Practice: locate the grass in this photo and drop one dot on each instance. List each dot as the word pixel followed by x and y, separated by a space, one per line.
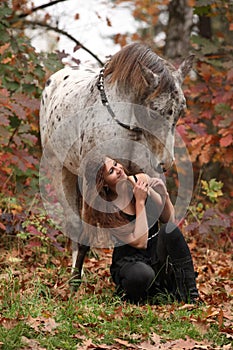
pixel 37 308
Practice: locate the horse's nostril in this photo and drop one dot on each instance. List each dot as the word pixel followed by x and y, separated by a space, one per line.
pixel 164 167
pixel 161 168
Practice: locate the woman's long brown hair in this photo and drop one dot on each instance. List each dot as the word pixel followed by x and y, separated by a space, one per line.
pixel 97 196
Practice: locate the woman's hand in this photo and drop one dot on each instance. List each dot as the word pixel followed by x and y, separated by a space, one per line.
pixel 140 191
pixel 158 186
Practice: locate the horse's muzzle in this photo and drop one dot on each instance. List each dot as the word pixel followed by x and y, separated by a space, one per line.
pixel 163 167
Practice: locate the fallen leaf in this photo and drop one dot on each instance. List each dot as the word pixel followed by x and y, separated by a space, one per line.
pixel 49 325
pixel 8 323
pixel 31 344
pixel 146 345
pixel 125 343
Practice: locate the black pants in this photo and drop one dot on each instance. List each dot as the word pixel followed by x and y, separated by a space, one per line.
pixel 140 274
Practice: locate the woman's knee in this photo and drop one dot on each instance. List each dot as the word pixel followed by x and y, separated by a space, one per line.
pixel 137 273
pixel 136 277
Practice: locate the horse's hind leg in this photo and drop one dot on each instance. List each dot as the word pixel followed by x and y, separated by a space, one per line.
pixel 79 252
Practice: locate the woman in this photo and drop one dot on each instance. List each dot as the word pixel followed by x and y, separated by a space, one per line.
pixel 151 256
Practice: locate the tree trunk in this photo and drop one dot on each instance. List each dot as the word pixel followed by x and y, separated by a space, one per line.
pixel 178 29
pixel 205 29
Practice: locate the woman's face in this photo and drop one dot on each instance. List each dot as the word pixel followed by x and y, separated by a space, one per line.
pixel 113 173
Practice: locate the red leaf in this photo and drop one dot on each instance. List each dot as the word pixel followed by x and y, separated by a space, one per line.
pixel 33 230
pixel 226 141
pixel 2 227
pixel 3 48
pixel 230 74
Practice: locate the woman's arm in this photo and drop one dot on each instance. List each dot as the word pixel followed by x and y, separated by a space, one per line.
pixel 156 189
pixel 136 232
pixel 168 212
pixel 141 226
pixel 166 209
pixel 158 192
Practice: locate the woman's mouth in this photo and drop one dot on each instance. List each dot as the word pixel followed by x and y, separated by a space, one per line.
pixel 121 174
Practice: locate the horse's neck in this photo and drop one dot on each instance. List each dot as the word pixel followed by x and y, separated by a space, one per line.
pixel 116 95
pixel 121 104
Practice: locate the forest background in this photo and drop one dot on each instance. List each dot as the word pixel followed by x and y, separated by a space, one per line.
pixel 28 235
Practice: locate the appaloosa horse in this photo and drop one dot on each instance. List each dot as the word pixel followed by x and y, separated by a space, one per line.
pixel 126 110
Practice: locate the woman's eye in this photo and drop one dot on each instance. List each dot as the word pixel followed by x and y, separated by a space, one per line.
pixel 115 164
pixel 110 171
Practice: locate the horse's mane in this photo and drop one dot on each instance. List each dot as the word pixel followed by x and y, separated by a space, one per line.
pixel 123 68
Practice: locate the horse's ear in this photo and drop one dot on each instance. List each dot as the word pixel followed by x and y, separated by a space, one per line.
pixel 151 79
pixel 185 68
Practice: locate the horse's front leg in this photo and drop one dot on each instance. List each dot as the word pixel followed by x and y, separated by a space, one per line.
pixel 79 252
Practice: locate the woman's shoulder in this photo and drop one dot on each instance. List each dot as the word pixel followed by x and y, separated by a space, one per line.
pixel 140 176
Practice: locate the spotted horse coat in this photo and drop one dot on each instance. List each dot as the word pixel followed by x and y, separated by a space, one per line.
pixel 128 110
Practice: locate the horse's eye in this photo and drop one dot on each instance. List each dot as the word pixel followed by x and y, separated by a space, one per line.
pixel 170 112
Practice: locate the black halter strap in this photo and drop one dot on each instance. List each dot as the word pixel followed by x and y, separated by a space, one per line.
pixel 100 86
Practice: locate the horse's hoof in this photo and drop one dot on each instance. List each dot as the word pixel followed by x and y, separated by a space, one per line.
pixel 75 282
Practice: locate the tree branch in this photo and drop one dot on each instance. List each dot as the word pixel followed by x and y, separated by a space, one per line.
pixel 40 7
pixel 60 31
pixel 55 29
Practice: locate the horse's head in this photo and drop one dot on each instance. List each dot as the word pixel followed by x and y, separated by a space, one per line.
pixel 165 103
pixel 155 87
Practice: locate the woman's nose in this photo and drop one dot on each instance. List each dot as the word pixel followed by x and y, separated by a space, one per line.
pixel 117 168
